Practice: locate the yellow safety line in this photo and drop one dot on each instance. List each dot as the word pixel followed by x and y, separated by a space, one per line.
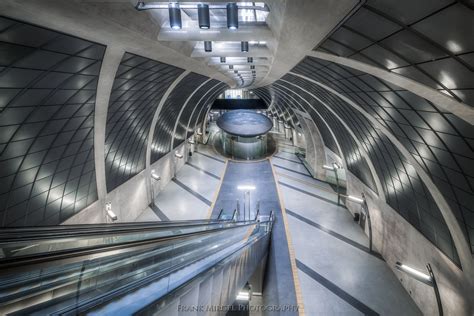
pixel 216 194
pixel 299 295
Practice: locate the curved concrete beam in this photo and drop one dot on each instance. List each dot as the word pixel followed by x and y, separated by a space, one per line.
pixel 344 162
pixel 365 155
pixel 110 64
pixel 314 144
pixel 182 110
pixel 462 110
pixel 341 153
pixel 194 109
pixel 462 246
pixel 208 108
pixel 151 132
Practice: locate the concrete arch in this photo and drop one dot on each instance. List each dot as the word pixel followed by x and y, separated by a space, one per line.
pixel 313 139
pixel 325 123
pixel 378 183
pixel 194 109
pixel 462 110
pixel 460 242
pixel 152 131
pixel 110 64
pixel 182 110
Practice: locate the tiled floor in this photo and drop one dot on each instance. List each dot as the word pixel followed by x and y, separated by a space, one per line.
pixel 190 194
pixel 338 276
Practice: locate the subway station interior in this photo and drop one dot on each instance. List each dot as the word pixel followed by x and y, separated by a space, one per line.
pixel 285 157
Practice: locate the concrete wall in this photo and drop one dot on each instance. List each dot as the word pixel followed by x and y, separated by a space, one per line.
pixel 397 240
pixel 131 198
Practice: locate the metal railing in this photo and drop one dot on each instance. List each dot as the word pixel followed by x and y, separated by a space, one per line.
pixel 71 269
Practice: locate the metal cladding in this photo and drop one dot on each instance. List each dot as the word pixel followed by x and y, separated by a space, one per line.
pixel 48 84
pixel 232 16
pixel 163 134
pixel 175 16
pixel 139 85
pixel 207 46
pixel 244 47
pixel 203 16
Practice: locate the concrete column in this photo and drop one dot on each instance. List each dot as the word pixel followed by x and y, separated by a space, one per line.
pixel 319 150
pixel 111 62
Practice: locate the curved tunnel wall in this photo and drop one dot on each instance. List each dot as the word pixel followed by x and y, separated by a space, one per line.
pixel 48 86
pixel 403 189
pixel 439 141
pixel 427 41
pixel 138 86
pixel 48 82
pixel 163 135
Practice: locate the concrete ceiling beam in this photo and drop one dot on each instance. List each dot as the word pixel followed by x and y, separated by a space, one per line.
pixel 194 33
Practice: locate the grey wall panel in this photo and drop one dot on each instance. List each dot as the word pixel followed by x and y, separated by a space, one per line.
pixel 441 142
pixel 405 37
pixel 138 87
pixel 48 82
pixel 162 136
pixel 402 186
pixel 181 132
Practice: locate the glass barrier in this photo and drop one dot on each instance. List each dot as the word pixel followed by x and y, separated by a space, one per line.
pixel 164 265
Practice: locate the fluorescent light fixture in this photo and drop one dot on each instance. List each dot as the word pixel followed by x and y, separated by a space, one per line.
pixel 336 166
pixel 246 187
pixel 178 155
pixel 207 46
pixel 232 16
pixel 243 296
pixel 355 199
pixel 416 274
pixel 191 142
pixel 110 213
pixel 244 47
pixel 199 133
pixel 299 134
pixel 175 15
pixel 203 16
pixel 155 176
pixel 328 167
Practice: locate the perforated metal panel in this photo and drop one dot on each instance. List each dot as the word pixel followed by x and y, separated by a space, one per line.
pixel 428 41
pixel 48 82
pixel 138 88
pixel 162 136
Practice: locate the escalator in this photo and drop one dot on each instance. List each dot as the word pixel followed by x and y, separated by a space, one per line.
pixel 129 268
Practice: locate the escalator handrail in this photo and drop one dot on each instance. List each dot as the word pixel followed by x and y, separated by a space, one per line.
pixel 51 232
pixel 30 262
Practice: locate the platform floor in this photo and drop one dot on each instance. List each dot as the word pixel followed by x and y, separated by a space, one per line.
pixel 337 274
